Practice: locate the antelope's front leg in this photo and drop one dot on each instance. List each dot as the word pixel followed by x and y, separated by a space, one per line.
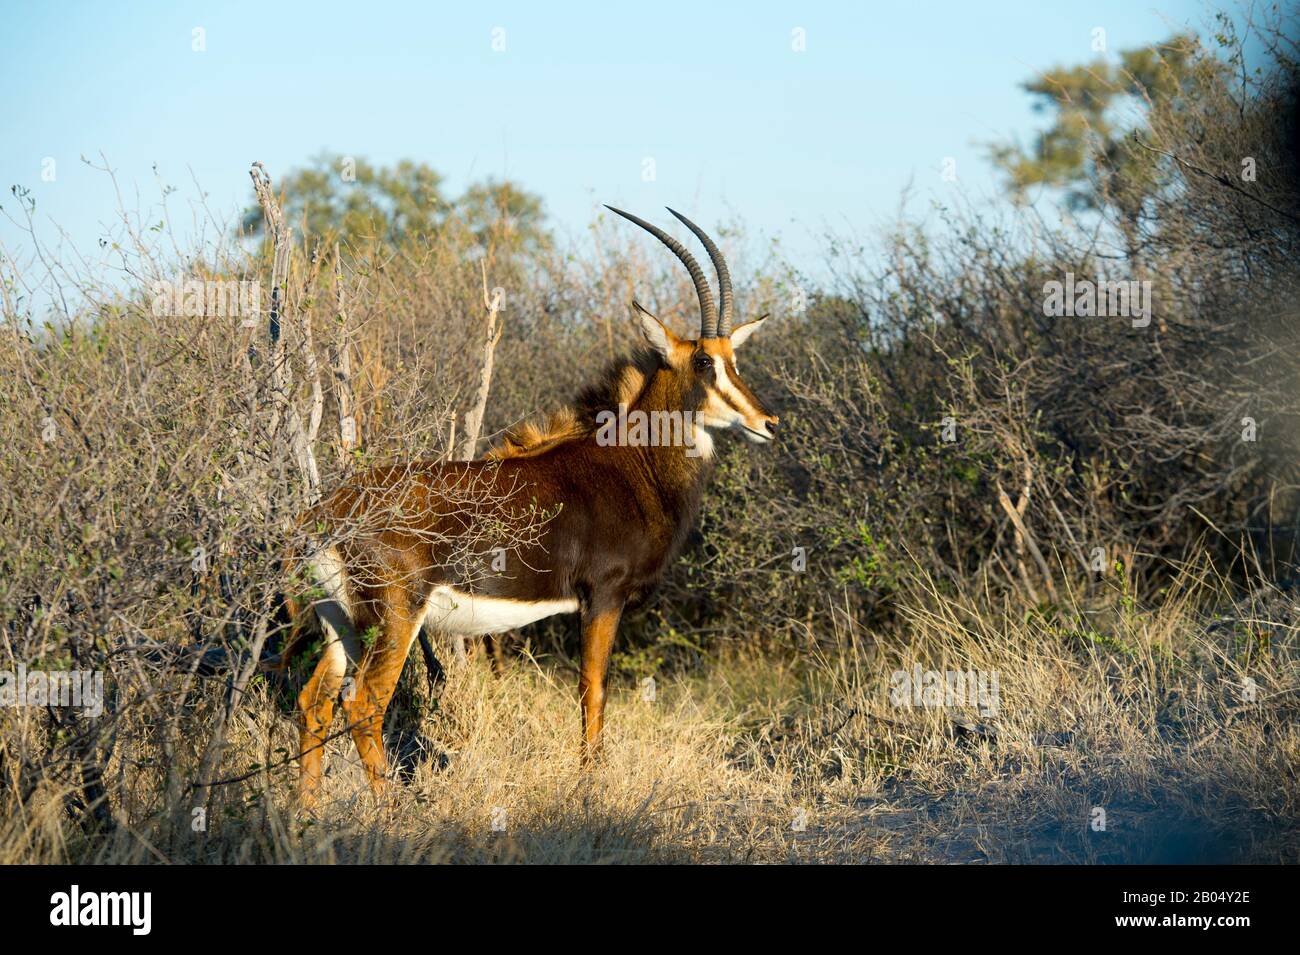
pixel 599 625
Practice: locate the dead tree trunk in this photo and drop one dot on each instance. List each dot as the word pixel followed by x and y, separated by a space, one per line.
pixel 288 440
pixel 474 417
pixel 341 366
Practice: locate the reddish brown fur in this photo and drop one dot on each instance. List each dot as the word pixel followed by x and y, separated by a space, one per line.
pixel 617 517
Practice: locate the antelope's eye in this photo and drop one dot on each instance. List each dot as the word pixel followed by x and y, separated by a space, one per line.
pixel 703 362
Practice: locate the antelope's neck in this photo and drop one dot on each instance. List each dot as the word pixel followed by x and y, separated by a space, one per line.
pixel 682 466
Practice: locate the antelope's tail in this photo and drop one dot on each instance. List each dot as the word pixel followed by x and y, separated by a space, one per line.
pixel 293 619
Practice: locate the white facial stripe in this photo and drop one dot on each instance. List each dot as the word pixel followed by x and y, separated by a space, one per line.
pixel 726 388
pixel 703 443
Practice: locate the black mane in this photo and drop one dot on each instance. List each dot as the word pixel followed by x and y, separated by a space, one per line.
pixel 611 388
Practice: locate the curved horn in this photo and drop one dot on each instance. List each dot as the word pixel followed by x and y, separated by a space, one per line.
pixel 724 276
pixel 708 311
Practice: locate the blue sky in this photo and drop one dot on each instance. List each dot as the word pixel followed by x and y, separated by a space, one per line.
pixel 738 123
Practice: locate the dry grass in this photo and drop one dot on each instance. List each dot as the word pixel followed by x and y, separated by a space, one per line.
pixel 1143 716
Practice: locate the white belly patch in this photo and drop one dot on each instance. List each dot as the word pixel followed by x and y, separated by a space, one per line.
pixel 452 611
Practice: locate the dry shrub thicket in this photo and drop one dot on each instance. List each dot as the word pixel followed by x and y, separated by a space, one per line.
pixel 1074 504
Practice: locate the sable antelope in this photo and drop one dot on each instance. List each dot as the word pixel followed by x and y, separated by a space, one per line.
pixel 388 545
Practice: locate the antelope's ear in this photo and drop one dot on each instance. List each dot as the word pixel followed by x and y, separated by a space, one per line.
pixel 656 333
pixel 742 332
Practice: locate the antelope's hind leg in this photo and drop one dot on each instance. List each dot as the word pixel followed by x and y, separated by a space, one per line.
pixel 375 685
pixel 316 701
